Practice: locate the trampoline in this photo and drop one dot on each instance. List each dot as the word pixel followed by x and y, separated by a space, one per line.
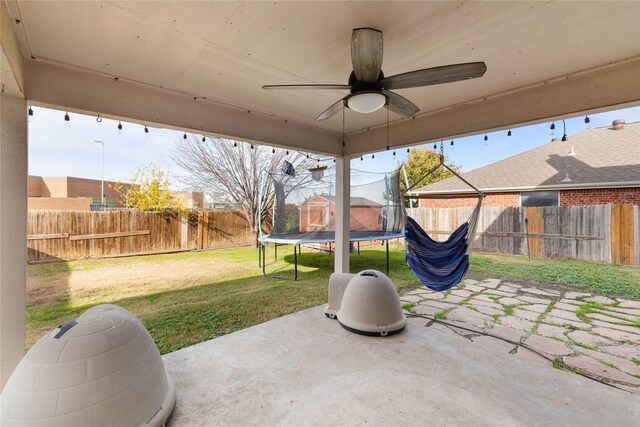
pixel 303 210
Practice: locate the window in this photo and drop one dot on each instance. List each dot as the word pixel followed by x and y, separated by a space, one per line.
pixel 539 198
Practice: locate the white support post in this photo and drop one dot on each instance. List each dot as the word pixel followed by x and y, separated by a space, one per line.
pixel 343 199
pixel 13 233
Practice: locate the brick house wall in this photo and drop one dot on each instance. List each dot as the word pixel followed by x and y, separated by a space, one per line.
pixel 491 199
pixel 59 203
pixel 600 196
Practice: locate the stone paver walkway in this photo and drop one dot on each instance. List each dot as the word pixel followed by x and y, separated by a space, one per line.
pixel 590 333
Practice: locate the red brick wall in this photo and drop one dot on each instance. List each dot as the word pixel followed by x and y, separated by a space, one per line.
pixel 600 196
pixel 491 199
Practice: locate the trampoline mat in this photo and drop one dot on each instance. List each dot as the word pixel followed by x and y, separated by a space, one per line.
pixel 327 236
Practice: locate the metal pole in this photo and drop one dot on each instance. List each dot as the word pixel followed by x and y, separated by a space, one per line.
pixel 102 179
pixel 387 241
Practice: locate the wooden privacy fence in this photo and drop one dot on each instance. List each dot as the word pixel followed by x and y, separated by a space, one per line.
pixel 68 235
pixel 602 233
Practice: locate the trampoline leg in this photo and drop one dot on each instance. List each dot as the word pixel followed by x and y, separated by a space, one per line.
pixel 358 247
pixel 260 254
pixel 295 262
pixel 264 249
pixel 329 248
pixel 275 257
pixel 387 257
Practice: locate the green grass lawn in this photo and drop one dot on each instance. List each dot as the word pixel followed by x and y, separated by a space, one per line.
pixel 190 297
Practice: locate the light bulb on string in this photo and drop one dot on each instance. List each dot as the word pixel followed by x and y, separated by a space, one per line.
pixel 235 144
pixel 552 128
pixel 67 120
pixel 408 150
pixel 273 151
pixel 146 132
pixel 394 153
pixel 373 156
pixel 119 128
pixel 435 146
pixel 30 112
pixel 486 140
pixel 587 122
pixel 184 136
pixel 204 138
pixel 361 158
pixel 252 146
pixel 287 152
pixel 509 133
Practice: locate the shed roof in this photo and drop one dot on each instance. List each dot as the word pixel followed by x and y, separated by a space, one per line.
pixel 603 158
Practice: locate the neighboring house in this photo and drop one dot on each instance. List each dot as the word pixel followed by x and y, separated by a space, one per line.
pixel 318 213
pixel 71 193
pixel 597 166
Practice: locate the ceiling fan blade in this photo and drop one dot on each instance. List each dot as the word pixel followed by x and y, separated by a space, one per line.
pixel 366 53
pixel 308 86
pixel 435 75
pixel 399 104
pixel 331 110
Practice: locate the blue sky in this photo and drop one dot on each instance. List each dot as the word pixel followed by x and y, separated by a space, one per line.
pixel 57 150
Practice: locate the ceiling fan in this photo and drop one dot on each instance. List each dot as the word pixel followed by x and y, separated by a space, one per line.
pixel 370 90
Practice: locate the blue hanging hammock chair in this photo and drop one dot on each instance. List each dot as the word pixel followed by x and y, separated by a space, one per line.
pixel 441 265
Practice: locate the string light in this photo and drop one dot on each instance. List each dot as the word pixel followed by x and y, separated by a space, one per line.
pixel 184 136
pixel 373 156
pixel 361 159
pixel 235 144
pixel 486 137
pixel 552 128
pixel 587 122
pixel 452 142
pixel 307 156
pixel 408 149
pixel 119 128
pixel 509 133
pixel 252 146
pixel 146 132
pixel 67 120
pixel 287 152
pixel 564 132
pixel 435 146
pixel 204 138
pixel 273 151
pixel 394 153
pixel 30 114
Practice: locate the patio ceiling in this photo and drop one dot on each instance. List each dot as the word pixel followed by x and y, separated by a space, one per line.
pixel 200 66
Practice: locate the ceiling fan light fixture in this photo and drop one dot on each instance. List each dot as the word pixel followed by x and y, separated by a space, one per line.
pixel 366 102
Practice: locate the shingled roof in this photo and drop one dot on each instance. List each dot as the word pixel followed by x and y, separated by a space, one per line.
pixel 603 158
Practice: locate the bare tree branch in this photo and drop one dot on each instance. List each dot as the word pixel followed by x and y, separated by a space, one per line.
pixel 234 174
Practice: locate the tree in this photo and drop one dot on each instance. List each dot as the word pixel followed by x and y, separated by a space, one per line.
pixel 149 190
pixel 421 161
pixel 233 172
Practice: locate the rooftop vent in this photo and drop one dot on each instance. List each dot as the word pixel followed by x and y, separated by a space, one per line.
pixel 618 124
pixel 566 178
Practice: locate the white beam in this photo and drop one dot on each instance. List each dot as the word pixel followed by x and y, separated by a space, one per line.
pixel 343 214
pixel 12 63
pixel 599 89
pixel 13 232
pixel 81 91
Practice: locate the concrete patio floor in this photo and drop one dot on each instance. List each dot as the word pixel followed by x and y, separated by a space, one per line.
pixel 304 369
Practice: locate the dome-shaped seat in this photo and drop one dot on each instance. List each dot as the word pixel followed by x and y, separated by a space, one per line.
pixel 101 369
pixel 368 304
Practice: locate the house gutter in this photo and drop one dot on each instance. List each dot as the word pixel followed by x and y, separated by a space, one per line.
pixel 626 184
